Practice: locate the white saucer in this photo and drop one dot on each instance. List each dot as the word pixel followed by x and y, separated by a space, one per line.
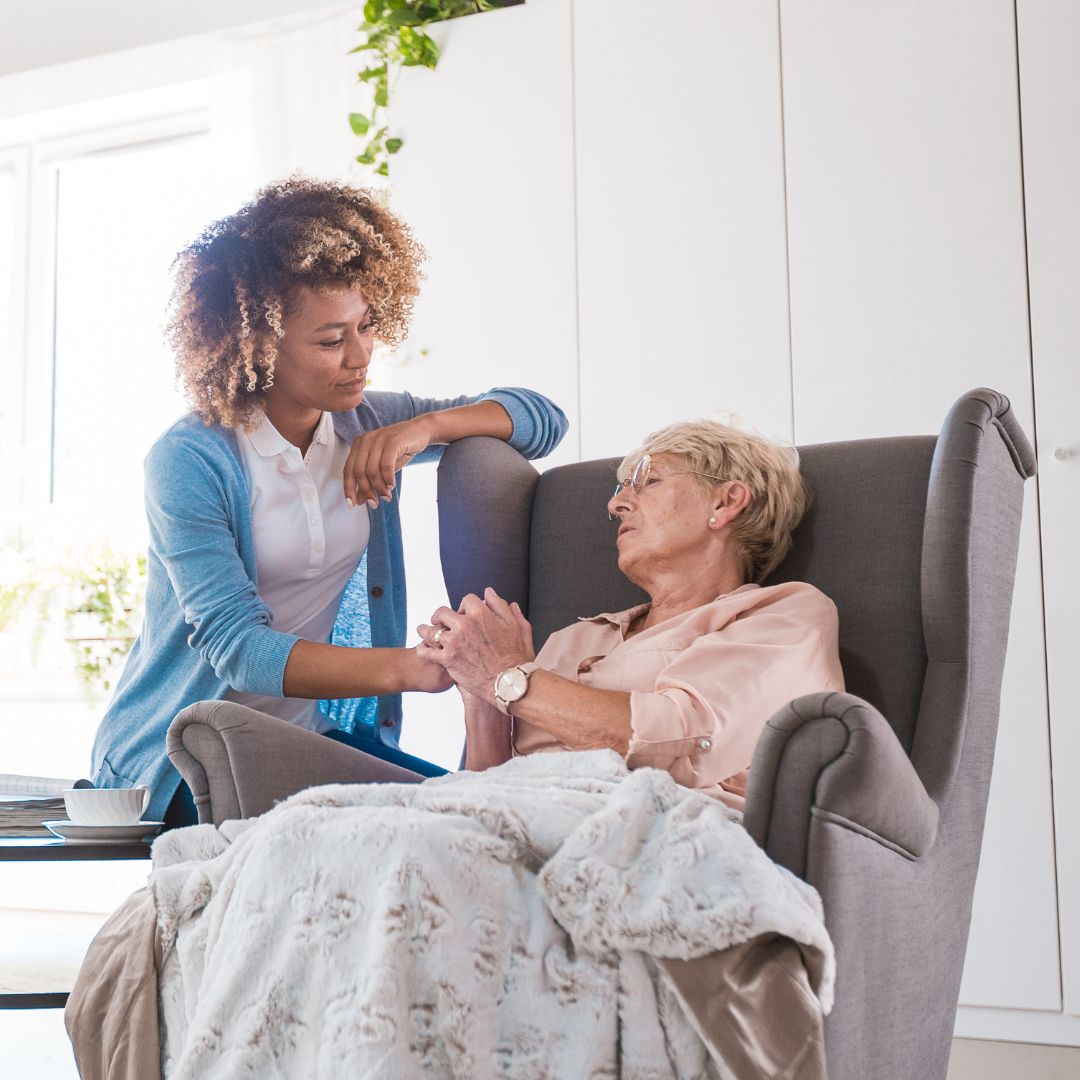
pixel 102 834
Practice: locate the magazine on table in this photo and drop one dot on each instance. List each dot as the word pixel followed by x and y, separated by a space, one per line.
pixel 27 801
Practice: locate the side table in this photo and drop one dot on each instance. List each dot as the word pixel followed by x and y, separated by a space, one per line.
pixel 18 988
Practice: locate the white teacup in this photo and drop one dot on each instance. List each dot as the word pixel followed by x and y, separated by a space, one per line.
pixel 106 806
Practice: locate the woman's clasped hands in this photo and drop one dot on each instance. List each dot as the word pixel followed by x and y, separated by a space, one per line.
pixel 478 641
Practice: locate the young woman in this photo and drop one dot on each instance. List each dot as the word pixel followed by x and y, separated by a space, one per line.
pixel 275 573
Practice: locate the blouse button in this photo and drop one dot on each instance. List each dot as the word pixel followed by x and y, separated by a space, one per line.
pixel 376 591
pixel 704 744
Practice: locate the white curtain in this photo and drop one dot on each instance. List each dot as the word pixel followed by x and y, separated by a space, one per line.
pixel 282 97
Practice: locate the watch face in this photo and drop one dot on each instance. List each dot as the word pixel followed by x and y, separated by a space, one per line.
pixel 512 684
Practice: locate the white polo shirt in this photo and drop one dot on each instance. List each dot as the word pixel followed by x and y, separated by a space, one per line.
pixel 308 542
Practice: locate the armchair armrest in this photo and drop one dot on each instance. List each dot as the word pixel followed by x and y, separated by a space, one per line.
pixel 238 762
pixel 834 757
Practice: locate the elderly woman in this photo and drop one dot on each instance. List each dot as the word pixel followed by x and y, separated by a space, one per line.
pixel 273 506
pixel 686 682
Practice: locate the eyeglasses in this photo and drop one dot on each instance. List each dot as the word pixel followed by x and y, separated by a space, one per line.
pixel 640 477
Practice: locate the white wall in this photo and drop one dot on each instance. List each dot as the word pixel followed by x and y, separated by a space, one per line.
pixel 42 34
pixel 682 272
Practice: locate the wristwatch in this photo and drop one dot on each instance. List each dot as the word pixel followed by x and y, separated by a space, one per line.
pixel 511 685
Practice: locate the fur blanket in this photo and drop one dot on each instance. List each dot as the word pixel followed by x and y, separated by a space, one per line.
pixel 498 924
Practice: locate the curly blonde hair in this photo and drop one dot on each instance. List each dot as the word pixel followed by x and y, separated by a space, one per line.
pixel 768 467
pixel 233 287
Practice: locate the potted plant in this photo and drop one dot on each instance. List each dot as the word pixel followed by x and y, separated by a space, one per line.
pixel 102 612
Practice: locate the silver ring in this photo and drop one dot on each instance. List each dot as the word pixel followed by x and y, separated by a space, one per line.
pixel 438 635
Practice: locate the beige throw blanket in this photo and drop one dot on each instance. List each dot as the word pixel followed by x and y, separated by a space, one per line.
pixel 554 917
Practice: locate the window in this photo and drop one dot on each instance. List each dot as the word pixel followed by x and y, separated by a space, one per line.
pixel 121 215
pixel 89 224
pixel 12 169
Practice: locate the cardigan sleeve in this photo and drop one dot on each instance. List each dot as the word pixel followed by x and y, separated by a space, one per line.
pixel 193 533
pixel 539 424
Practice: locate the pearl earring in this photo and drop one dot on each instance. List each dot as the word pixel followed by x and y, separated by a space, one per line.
pixel 712 521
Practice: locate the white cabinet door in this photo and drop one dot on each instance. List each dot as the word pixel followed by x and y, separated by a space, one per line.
pixel 486 180
pixel 908 288
pixel 1049 44
pixel 680 217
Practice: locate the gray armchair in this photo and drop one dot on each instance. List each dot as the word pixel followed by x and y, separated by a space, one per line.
pixel 877 796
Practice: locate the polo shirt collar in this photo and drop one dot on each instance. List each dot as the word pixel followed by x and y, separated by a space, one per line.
pixel 269 442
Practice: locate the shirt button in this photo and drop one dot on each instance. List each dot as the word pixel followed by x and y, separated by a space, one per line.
pixel 376 591
pixel 704 744
pixel 388 722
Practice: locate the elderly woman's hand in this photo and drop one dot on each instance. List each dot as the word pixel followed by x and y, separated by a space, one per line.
pixel 377 455
pixel 475 643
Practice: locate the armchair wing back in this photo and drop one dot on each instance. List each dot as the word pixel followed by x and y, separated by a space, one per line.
pixel 876 796
pixel 893 843
pixel 860 543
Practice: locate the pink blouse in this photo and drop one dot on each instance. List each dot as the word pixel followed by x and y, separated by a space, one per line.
pixel 702 684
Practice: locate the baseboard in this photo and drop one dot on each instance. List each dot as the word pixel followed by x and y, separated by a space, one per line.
pixel 1017 1025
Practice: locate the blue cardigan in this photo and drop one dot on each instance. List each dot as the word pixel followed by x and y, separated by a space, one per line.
pixel 206 630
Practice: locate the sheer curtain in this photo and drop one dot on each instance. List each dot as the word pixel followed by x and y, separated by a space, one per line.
pixel 283 92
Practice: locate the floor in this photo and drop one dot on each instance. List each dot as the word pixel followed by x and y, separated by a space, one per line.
pixel 40 952
pixel 976 1060
pixel 35 1047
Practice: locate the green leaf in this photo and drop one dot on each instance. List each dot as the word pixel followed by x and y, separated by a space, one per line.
pixel 359 123
pixel 382 97
pixel 365 158
pixel 383 169
pixel 417 48
pixel 394 145
pixel 403 18
pixel 371 73
pixel 375 40
pixel 431 52
pixel 375 10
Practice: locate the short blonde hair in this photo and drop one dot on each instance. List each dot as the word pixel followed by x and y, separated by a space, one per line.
pixel 768 467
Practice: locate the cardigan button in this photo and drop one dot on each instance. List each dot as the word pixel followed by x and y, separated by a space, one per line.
pixel 376 591
pixel 388 722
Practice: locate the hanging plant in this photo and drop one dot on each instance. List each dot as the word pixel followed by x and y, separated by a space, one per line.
pixel 394 37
